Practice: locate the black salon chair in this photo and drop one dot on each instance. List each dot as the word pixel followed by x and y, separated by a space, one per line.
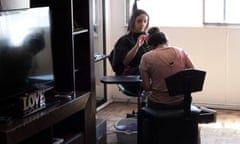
pixel 123 82
pixel 123 86
pixel 130 93
pixel 173 126
pixel 127 92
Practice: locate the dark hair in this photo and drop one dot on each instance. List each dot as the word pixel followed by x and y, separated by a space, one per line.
pixel 135 14
pixel 157 38
pixel 153 30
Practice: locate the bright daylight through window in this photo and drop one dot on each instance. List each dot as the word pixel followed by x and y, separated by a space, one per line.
pixel 191 12
pixel 222 12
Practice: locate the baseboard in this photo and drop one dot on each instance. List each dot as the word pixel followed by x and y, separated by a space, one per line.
pixel 104 105
pixel 219 106
pixel 208 105
pixel 126 100
pixel 216 106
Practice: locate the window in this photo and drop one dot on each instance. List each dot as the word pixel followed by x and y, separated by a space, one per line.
pixel 221 12
pixel 189 12
pixel 173 12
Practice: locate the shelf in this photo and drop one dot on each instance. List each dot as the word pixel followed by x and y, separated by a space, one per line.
pixel 79 31
pixel 72 138
pixel 73 119
pixel 100 57
pixel 76 70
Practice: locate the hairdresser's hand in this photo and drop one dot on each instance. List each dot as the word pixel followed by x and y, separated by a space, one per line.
pixel 131 54
pixel 141 40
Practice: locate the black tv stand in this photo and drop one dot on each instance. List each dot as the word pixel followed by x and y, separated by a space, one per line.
pixel 48 104
pixel 5 119
pixel 65 120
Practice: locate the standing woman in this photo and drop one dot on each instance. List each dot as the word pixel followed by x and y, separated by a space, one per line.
pixel 129 48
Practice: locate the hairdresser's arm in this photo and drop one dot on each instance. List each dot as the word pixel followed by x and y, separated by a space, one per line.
pixel 131 54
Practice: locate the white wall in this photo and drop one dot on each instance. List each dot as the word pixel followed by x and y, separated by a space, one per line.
pixel 114 29
pixel 213 49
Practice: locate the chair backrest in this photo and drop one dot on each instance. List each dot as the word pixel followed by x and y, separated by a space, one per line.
pixel 184 83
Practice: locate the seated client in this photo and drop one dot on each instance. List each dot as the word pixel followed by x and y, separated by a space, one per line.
pixel 159 63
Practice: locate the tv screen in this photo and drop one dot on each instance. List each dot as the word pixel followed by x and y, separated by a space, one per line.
pixel 25 52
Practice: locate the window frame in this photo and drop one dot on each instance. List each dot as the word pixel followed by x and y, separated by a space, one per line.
pixel 223 22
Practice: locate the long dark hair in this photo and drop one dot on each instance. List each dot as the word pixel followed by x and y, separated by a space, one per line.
pixel 137 13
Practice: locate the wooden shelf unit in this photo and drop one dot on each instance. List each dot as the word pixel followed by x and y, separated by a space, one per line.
pixel 73 59
pixel 64 120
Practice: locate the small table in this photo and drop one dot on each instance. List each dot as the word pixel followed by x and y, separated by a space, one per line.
pixel 121 79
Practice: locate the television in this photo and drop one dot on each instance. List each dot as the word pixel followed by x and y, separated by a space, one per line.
pixel 26 64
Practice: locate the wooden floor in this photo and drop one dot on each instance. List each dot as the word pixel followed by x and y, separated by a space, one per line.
pixel 226 130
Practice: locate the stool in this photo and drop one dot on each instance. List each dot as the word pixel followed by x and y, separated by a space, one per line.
pixel 168 126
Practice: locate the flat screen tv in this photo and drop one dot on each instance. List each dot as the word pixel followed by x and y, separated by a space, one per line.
pixel 25 53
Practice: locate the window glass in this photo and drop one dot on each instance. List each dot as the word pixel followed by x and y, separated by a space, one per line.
pixel 191 12
pixel 214 11
pixel 232 11
pixel 173 12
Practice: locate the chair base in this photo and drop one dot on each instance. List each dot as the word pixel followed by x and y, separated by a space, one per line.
pixel 207 115
pixel 132 115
